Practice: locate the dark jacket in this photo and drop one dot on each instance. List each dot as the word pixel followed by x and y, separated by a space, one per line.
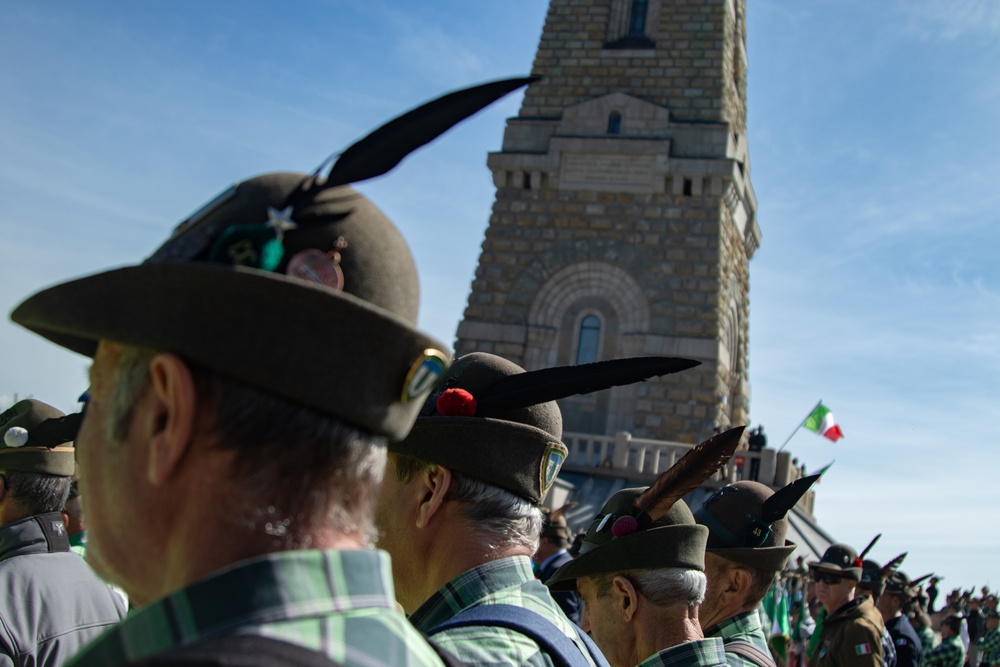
pixel 852 636
pixel 53 603
pixel 906 641
pixel 568 601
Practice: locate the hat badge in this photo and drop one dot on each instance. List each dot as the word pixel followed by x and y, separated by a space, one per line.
pixel 424 374
pixel 16 436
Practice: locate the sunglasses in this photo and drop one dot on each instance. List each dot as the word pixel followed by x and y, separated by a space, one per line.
pixel 826 577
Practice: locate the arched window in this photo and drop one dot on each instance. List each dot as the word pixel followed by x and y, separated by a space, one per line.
pixel 589 340
pixel 637 19
pixel 615 123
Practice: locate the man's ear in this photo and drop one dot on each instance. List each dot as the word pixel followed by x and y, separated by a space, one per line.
pixel 171 417
pixel 434 484
pixel 626 597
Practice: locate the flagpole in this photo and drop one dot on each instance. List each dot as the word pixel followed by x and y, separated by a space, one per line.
pixel 801 424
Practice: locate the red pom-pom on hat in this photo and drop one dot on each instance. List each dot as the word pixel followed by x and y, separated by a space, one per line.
pixel 858 562
pixel 624 525
pixel 456 402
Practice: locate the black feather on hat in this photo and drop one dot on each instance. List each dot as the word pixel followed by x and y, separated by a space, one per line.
pixel 492 420
pixel 291 283
pixel 36 437
pixel 747 524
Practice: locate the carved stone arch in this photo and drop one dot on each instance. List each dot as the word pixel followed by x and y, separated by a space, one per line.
pixel 554 316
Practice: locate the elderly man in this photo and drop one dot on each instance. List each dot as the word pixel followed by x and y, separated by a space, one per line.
pixel 460 511
pixel 53 603
pixel 245 380
pixel 896 594
pixel 852 628
pixel 746 549
pixel 641 569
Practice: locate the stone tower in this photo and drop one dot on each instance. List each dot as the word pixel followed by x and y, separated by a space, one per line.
pixel 624 217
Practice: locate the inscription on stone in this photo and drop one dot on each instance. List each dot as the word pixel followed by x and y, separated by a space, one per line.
pixel 606 172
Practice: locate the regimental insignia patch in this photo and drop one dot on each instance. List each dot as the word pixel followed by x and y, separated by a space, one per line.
pixel 551 463
pixel 863 649
pixel 424 374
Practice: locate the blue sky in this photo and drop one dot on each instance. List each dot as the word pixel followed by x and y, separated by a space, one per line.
pixel 874 157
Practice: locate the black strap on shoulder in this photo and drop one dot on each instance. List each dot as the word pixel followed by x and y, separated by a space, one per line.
pixel 747 650
pixel 552 641
pixel 239 651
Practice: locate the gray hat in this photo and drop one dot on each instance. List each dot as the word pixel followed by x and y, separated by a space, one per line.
pixel 490 419
pixel 841 559
pixel 747 524
pixel 291 283
pixel 36 437
pixel 651 527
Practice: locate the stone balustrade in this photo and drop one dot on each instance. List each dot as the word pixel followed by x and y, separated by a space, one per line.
pixel 640 460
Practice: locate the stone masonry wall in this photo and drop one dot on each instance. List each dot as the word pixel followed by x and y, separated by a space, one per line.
pixel 685 72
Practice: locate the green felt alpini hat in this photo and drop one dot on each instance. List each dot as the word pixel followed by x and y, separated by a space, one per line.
pixel 651 527
pixel 291 283
pixel 490 419
pixel 36 437
pixel 747 522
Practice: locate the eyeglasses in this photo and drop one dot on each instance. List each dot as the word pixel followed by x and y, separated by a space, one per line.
pixel 826 577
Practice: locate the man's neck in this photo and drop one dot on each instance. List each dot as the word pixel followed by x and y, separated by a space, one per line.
pixel 453 551
pixel 663 627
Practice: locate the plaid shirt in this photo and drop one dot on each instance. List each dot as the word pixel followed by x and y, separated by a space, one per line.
pixel 989 648
pixel 504 581
pixel 949 653
pixel 341 603
pixel 709 652
pixel 744 627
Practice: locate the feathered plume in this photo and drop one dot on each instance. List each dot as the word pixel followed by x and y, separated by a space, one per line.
pixel 892 565
pixel 555 514
pixel 869 547
pixel 56 431
pixel 784 499
pixel 920 580
pixel 688 473
pixel 386 147
pixel 549 384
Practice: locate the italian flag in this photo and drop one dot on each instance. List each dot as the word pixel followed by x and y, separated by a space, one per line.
pixel 821 421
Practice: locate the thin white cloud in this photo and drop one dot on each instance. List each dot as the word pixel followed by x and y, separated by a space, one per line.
pixel 951 19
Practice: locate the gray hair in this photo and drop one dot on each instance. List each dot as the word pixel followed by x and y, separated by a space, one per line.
pixel 297 468
pixel 37 493
pixel 498 519
pixel 661 586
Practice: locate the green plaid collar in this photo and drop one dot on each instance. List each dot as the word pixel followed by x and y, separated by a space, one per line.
pixel 745 625
pixel 949 653
pixel 708 652
pixel 280 587
pixel 470 588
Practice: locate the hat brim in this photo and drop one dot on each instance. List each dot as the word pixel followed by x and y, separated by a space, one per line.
pixel 506 454
pixel 58 461
pixel 763 558
pixel 853 572
pixel 680 546
pixel 323 349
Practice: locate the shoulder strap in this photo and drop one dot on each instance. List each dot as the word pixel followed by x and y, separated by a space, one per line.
pixel 559 647
pixel 238 651
pixel 747 650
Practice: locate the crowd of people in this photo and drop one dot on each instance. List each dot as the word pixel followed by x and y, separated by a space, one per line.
pixel 963 631
pixel 276 467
